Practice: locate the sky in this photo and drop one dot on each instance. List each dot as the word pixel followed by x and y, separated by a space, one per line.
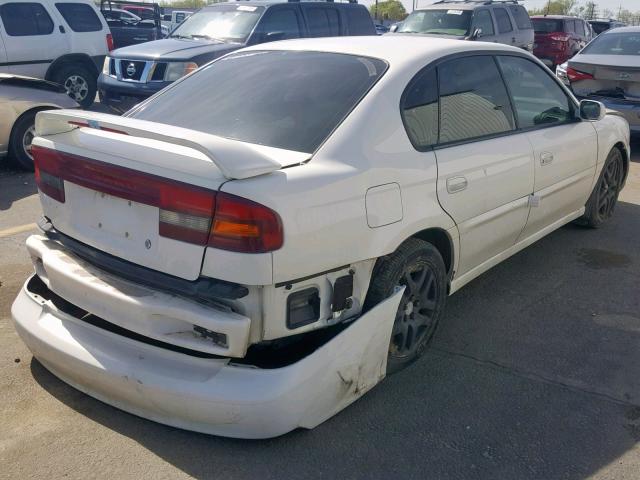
pixel 613 5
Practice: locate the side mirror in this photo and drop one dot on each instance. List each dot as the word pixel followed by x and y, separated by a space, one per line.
pixel 477 33
pixel 273 36
pixel 592 110
pixel 394 28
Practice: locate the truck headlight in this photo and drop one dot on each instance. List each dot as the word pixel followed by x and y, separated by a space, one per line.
pixel 176 70
pixel 105 65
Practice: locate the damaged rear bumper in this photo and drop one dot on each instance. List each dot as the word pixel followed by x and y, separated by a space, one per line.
pixel 209 395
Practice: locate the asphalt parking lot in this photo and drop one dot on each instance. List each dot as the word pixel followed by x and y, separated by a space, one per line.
pixel 534 374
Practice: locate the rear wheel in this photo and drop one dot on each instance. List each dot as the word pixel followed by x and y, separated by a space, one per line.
pixel 418 266
pixel 20 142
pixel 603 199
pixel 79 82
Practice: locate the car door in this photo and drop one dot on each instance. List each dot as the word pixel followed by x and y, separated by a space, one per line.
pixel 506 32
pixel 485 167
pixel 524 28
pixel 565 148
pixel 4 66
pixel 279 22
pixel 482 20
pixel 322 20
pixel 33 38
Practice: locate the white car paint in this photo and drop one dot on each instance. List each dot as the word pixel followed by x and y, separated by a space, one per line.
pixel 357 198
pixel 33 55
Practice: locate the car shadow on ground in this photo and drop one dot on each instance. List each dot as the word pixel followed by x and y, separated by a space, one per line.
pixel 534 373
pixel 14 184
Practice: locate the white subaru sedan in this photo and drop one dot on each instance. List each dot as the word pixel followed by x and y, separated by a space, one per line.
pixel 255 247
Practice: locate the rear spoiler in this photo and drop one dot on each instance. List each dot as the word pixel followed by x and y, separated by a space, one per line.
pixel 235 159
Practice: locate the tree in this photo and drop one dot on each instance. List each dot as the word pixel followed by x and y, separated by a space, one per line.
pixel 555 7
pixel 388 10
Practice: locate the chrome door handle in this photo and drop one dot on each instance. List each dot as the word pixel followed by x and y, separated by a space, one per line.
pixel 456 184
pixel 546 158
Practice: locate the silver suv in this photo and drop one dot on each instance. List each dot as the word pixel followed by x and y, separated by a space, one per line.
pixel 501 21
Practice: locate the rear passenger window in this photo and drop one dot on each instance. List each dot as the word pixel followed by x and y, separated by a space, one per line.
pixel 282 21
pixel 323 22
pixel 473 99
pixel 80 17
pixel 359 21
pixel 537 98
pixel 503 20
pixel 569 26
pixel 23 19
pixel 482 20
pixel 420 110
pixel 520 15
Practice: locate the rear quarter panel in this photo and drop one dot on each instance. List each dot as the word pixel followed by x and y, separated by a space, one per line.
pixel 322 203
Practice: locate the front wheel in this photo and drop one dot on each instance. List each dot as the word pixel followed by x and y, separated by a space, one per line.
pixel 603 199
pixel 418 266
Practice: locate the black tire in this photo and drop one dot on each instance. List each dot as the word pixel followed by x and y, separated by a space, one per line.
pixel 81 83
pixel 603 199
pixel 20 140
pixel 418 266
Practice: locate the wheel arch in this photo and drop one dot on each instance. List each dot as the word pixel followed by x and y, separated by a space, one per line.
pixel 443 242
pixel 71 59
pixel 625 159
pixel 37 109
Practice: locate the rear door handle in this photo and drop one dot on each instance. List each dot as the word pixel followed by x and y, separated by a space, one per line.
pixel 456 184
pixel 546 158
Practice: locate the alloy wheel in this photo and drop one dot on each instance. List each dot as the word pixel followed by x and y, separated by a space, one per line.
pixel 77 87
pixel 610 187
pixel 415 317
pixel 27 139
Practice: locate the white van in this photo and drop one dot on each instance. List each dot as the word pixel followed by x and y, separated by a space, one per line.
pixel 62 41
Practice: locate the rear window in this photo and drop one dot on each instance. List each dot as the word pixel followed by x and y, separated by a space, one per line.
pixel 614 44
pixel 80 17
pixel 520 15
pixel 599 27
pixel 547 25
pixel 284 99
pixel 24 19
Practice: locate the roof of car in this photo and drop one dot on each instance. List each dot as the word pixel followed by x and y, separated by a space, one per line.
pixel 631 29
pixel 395 49
pixel 555 17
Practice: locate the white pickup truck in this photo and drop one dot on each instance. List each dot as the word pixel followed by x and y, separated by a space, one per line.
pixel 251 258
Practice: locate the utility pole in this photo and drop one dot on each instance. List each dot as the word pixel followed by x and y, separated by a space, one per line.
pixel 376 14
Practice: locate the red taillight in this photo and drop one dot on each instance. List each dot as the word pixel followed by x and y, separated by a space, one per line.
pixel 47 173
pixel 109 42
pixel 576 75
pixel 241 225
pixel 559 37
pixel 187 212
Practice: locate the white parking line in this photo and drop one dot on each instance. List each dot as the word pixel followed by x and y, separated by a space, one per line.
pixel 16 230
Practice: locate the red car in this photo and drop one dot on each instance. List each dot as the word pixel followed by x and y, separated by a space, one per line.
pixel 558 38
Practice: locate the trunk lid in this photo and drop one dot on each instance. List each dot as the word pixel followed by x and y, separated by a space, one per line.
pixel 614 76
pixel 140 191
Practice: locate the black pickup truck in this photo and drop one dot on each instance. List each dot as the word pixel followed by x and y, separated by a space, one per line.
pixel 127 27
